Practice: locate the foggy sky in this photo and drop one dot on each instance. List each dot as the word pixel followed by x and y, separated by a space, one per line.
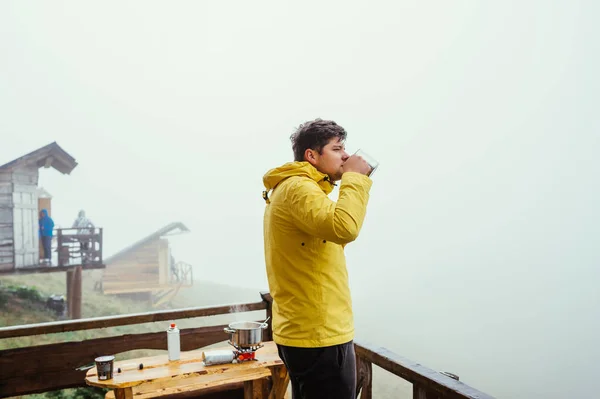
pixel 483 215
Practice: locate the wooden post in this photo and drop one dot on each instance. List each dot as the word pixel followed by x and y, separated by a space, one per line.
pixel 268 332
pixel 420 392
pixel 364 378
pixel 70 294
pixel 281 380
pixel 99 249
pixel 59 250
pixel 124 393
pixel 77 293
pixel 255 389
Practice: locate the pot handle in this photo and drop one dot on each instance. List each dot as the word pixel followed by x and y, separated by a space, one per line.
pixel 229 330
pixel 264 323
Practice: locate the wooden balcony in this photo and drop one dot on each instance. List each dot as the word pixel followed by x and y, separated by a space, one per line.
pixel 79 247
pixel 72 248
pixel 51 367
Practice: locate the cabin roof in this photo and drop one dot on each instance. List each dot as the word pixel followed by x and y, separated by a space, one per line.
pixel 51 155
pixel 170 229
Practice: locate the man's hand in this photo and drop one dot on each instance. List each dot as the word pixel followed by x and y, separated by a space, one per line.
pixel 357 164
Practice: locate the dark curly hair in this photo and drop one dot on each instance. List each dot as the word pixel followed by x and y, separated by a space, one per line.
pixel 315 135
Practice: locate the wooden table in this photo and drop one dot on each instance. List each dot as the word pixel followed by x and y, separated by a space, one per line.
pixel 160 377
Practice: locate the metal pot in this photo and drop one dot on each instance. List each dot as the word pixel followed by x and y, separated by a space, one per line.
pixel 245 334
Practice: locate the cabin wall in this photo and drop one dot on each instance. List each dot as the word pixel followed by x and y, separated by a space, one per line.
pixel 25 216
pixel 6 221
pixel 137 271
pixel 164 261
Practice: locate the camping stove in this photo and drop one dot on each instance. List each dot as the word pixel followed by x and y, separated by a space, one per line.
pixel 238 355
pixel 246 339
pixel 245 354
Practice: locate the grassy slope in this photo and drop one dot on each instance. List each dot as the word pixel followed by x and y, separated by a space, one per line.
pixel 94 304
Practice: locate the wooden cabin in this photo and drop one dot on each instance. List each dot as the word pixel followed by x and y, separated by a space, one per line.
pixel 21 201
pixel 147 269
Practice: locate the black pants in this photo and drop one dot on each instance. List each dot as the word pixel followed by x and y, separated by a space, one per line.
pixel 328 372
pixel 47 244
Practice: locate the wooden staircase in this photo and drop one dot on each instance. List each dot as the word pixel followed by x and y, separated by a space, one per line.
pixel 165 297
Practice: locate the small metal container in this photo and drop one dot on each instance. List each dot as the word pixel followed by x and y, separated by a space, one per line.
pixel 246 334
pixel 104 366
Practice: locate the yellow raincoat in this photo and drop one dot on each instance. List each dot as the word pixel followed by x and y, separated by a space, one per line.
pixel 304 234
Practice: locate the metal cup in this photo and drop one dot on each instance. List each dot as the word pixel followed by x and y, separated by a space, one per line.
pixel 105 366
pixel 373 163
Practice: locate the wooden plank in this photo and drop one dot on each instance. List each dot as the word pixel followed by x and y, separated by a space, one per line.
pixel 148 249
pixel 151 288
pixel 6 218
pixel 123 320
pixel 6 231
pixel 7 267
pixel 145 277
pixel 6 201
pixel 132 271
pixel 6 258
pixel 26 175
pixel 25 225
pixel 163 260
pixel 144 284
pixel 6 188
pixel 50 367
pixel 25 188
pixel 426 378
pixel 198 382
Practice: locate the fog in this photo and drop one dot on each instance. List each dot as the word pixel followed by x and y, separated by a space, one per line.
pixel 479 252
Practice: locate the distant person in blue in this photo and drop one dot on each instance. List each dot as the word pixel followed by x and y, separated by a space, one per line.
pixel 46 228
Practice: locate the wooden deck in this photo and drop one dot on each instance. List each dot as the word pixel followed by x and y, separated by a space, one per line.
pixel 44 368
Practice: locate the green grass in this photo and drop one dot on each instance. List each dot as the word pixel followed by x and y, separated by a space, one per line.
pixel 27 307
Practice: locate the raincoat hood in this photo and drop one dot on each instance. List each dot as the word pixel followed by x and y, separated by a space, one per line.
pixel 46 224
pixel 275 176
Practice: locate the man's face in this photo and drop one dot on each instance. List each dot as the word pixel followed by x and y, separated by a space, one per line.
pixel 331 159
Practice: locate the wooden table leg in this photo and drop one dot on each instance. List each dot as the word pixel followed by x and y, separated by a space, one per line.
pixel 281 379
pixel 255 389
pixel 124 393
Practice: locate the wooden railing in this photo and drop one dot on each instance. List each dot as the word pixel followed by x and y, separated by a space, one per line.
pixel 182 273
pixel 51 367
pixel 79 246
